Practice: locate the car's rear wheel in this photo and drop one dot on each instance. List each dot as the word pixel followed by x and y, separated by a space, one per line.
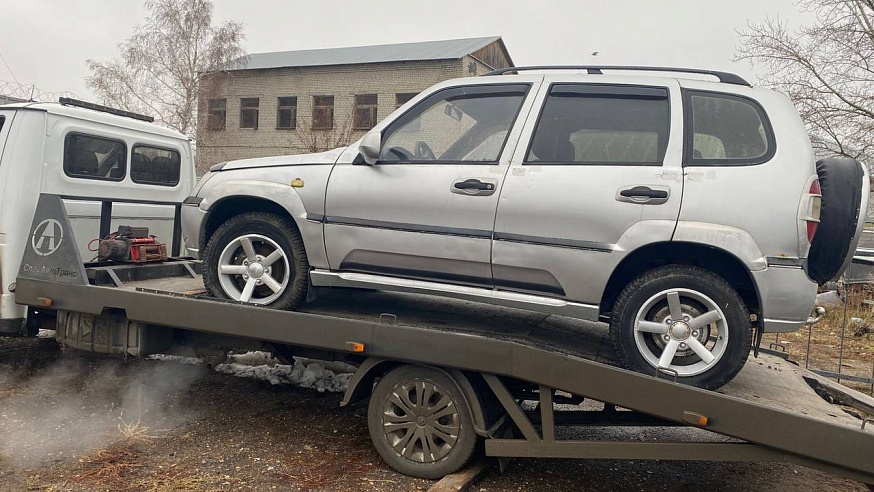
pixel 684 321
pixel 258 258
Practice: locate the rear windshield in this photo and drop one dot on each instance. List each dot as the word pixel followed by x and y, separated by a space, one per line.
pixel 726 130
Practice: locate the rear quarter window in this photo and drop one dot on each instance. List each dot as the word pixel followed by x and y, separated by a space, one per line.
pixel 155 165
pixel 725 130
pixel 92 157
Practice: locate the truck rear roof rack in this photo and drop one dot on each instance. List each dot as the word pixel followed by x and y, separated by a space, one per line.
pixel 66 101
pixel 725 77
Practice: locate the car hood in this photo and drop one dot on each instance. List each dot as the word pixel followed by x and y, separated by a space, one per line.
pixel 329 157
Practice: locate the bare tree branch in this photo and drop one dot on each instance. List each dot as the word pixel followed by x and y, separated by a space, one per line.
pixel 159 67
pixel 825 69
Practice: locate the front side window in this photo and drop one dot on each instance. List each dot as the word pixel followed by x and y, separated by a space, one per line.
pixel 217 114
pixel 364 116
pixel 286 113
pixel 155 166
pixel 600 124
pixel 726 130
pixel 463 124
pixel 90 157
pixel 2 120
pixel 249 112
pixel 323 112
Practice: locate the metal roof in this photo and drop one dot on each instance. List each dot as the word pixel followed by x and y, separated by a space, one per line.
pixel 449 49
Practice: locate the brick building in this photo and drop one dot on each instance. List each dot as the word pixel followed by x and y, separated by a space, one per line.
pixel 310 100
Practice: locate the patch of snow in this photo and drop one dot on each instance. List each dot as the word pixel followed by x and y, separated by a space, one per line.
pixel 313 375
pixel 193 361
pixel 828 299
pixel 46 333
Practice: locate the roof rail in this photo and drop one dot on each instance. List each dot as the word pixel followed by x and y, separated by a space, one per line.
pixel 725 77
pixel 66 101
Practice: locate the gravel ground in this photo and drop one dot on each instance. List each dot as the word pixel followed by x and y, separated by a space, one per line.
pixel 74 422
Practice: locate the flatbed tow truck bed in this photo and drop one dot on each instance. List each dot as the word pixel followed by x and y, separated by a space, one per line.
pixel 499 358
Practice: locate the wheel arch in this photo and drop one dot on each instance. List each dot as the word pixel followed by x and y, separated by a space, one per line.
pixel 234 205
pixel 718 261
pixel 470 384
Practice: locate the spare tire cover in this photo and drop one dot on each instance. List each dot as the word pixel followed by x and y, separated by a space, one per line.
pixel 841 183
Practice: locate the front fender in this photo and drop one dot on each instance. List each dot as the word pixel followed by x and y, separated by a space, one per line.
pixel 282 195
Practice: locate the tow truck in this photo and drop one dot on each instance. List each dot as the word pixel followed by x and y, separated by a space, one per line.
pixel 439 385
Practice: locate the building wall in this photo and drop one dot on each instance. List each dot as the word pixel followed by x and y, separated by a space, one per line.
pixel 343 82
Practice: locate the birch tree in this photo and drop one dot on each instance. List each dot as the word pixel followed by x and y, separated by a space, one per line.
pixel 159 68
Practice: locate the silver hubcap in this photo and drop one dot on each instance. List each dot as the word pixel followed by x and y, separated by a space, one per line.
pixel 682 330
pixel 420 421
pixel 253 268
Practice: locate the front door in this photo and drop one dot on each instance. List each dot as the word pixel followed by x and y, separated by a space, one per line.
pixel 426 209
pixel 600 177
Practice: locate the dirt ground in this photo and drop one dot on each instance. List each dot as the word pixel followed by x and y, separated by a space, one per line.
pixel 74 422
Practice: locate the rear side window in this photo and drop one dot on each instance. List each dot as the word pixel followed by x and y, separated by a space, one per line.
pixel 155 166
pixel 601 124
pixel 726 130
pixel 90 157
pixel 2 120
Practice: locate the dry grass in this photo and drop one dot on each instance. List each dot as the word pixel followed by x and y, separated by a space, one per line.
pixel 109 467
pixel 134 431
pixel 317 469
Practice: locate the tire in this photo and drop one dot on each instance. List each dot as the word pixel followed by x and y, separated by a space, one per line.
pixel 831 251
pixel 642 318
pixel 279 281
pixel 403 433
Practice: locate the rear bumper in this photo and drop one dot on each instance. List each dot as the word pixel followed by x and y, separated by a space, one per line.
pixel 786 296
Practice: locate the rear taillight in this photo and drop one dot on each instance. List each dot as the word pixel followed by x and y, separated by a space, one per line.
pixel 813 209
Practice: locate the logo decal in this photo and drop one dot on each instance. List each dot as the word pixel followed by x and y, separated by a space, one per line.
pixel 47 237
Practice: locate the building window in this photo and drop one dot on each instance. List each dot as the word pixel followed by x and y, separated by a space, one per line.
pixel 249 112
pixel 403 98
pixel 91 157
pixel 323 112
pixel 217 114
pixel 365 112
pixel 155 166
pixel 286 113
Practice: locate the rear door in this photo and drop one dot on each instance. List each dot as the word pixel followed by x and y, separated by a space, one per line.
pixel 597 174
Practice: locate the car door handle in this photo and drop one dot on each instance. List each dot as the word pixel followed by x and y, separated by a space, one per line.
pixel 643 194
pixel 474 186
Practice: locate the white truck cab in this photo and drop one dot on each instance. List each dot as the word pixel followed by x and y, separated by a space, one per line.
pixel 81 150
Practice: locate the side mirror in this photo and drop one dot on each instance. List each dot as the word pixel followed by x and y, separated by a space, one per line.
pixel 369 148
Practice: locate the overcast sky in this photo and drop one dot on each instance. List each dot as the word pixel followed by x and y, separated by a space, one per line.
pixel 46 42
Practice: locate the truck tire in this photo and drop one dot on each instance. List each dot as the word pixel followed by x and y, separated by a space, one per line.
pixel 706 348
pixel 420 422
pixel 258 258
pixel 835 241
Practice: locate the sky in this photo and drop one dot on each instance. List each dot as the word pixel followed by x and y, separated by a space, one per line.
pixel 46 42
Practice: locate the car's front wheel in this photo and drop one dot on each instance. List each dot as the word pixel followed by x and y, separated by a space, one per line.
pixel 685 321
pixel 258 258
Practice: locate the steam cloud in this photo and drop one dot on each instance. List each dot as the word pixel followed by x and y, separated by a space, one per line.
pixel 76 406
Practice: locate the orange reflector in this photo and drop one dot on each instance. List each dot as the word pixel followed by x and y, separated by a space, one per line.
pixel 355 347
pixel 695 419
pixel 44 301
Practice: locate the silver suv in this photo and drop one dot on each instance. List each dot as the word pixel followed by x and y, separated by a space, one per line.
pixel 689 214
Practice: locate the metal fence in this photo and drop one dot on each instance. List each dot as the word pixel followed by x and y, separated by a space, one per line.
pixel 841 345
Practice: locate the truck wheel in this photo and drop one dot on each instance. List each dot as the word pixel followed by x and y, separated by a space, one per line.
pixel 420 422
pixel 686 320
pixel 259 258
pixel 832 249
